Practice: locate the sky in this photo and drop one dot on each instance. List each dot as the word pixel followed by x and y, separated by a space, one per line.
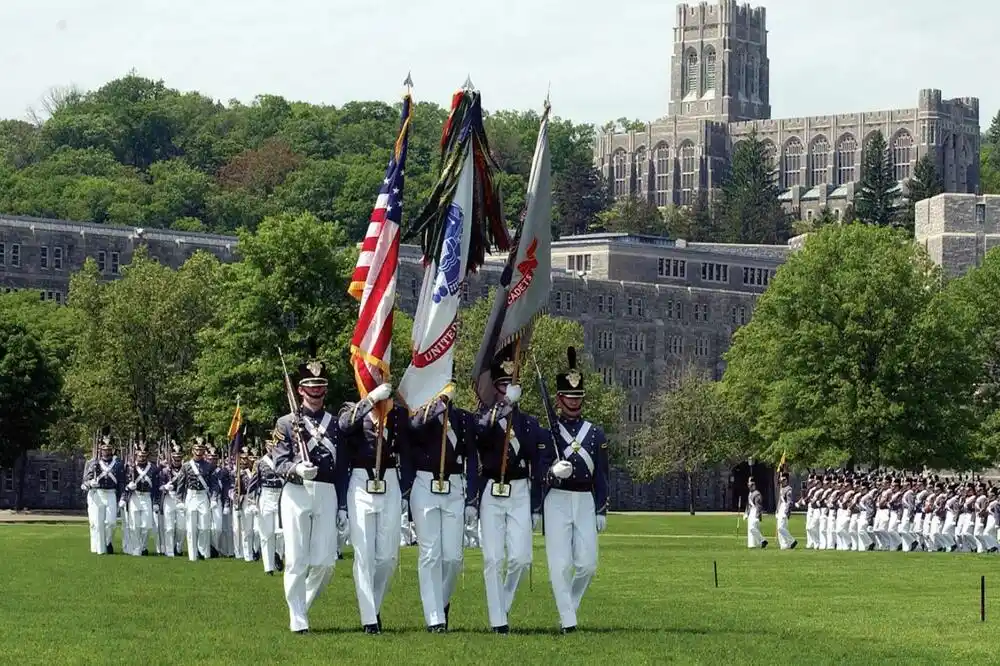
pixel 603 60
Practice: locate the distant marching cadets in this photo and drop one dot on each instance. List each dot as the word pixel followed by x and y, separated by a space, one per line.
pixel 884 512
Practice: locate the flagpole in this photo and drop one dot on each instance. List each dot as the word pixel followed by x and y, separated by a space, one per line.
pixel 510 419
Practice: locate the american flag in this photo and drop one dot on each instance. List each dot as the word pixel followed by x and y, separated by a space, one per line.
pixel 374 279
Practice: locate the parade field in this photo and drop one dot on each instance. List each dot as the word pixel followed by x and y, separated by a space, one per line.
pixel 654 600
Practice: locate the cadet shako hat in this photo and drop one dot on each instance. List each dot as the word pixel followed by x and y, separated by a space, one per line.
pixel 502 367
pixel 106 437
pixel 570 383
pixel 312 373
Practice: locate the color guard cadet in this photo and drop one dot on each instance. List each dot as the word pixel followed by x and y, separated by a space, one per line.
pixel 308 456
pixel 142 495
pixel 199 491
pixel 576 495
pixel 509 486
pixel 380 476
pixel 267 485
pixel 104 481
pixel 755 509
pixel 443 445
pixel 173 493
pixel 785 540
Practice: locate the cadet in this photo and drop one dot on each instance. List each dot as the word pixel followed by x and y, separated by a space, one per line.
pixel 104 481
pixel 244 509
pixel 755 508
pixel 510 494
pixel 576 503
pixel 376 496
pixel 221 484
pixel 308 455
pixel 267 485
pixel 443 444
pixel 142 495
pixel 785 540
pixel 199 491
pixel 173 493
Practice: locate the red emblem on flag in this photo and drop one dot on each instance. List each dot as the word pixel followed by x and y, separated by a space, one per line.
pixel 527 270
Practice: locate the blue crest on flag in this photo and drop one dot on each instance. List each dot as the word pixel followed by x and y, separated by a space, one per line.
pixel 449 276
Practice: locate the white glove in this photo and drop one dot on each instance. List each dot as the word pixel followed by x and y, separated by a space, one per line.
pixel 563 469
pixel 471 516
pixel 602 523
pixel 342 520
pixel 307 471
pixel 225 511
pixel 121 504
pixel 84 486
pixel 380 393
pixel 253 510
pixel 167 487
pixel 93 483
pixel 131 485
pixel 214 503
pixel 513 393
pixel 536 521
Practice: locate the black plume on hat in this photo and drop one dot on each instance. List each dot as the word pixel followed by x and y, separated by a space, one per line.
pixel 313 371
pixel 570 383
pixel 502 367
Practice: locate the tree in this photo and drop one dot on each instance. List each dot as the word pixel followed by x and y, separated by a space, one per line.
pixel 878 193
pixel 551 337
pixel 631 215
pixel 749 210
pixel 825 218
pixel 688 430
pixel 855 354
pixel 579 195
pixel 29 389
pixel 926 183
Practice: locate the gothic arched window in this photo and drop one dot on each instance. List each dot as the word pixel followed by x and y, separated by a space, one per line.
pixel 689 172
pixel 709 68
pixel 620 172
pixel 819 155
pixel 901 146
pixel 641 172
pixel 846 148
pixel 661 154
pixel 792 166
pixel 691 85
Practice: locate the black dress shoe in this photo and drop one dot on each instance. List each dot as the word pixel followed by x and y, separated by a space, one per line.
pixel 568 630
pixel 111 549
pixel 505 629
pixel 213 553
pixel 447 608
pixel 200 556
pixel 763 544
pixel 269 573
pixel 372 629
pixel 279 563
pixel 378 621
pixel 145 552
pixel 794 544
pixel 436 629
pixel 302 631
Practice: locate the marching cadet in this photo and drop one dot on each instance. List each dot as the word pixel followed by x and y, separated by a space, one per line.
pixel 755 509
pixel 173 494
pixel 905 526
pixel 952 506
pixel 843 519
pixel 443 445
pixel 104 480
pixel 992 514
pixel 379 469
pixel 308 455
pixel 199 491
pixel 576 495
pixel 142 495
pixel 510 502
pixel 785 540
pixel 243 507
pixel 267 486
pixel 980 518
pixel 221 482
pixel 919 501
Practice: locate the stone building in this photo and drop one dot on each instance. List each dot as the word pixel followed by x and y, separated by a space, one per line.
pixel 720 92
pixel 51 481
pixel 957 230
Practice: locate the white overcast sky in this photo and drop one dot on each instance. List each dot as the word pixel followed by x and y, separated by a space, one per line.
pixel 604 58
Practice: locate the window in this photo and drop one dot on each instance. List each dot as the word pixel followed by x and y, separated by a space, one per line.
pixel 636 342
pixel 636 378
pixel 641 171
pixel 3 254
pixel 102 261
pixel 633 448
pixel 739 315
pixel 43 483
pixel 619 165
pixel 635 413
pixel 8 480
pixel 819 155
pixel 709 68
pixel 741 64
pixel 15 255
pixel 701 312
pixel 691 85
pixel 662 156
pixel 901 155
pixel 672 268
pixel 675 345
pixel 579 263
pixel 845 159
pixel 688 170
pixel 701 347
pixel 413 287
pixel 608 376
pixel 54 481
pixel 563 301
pixel 756 276
pixel 43 257
pixel 633 306
pixel 57 258
pixel 715 272
pixel 114 263
pixel 770 153
pixel 606 340
pixel 750 85
pixel 675 310
pixel 606 304
pixel 58 297
pixel 792 166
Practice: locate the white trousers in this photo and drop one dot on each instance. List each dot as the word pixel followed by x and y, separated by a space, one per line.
pixel 271 538
pixel 439 521
pixel 785 538
pixel 571 548
pixel 948 530
pixel 821 542
pixel 864 532
pixel 217 528
pixel 506 535
pixel 309 520
pixel 917 529
pixel 754 538
pixel 977 534
pixel 140 514
pixel 990 533
pixel 853 538
pixel 375 536
pixel 198 512
pixel 244 533
pixel 174 524
pixel 102 514
pixel 840 529
pixel 810 528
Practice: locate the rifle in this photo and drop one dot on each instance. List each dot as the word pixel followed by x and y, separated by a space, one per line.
pixel 294 407
pixel 547 403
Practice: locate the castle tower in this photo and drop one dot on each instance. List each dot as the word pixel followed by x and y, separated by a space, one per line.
pixel 719 67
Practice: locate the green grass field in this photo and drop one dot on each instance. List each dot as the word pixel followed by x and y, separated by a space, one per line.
pixel 653 601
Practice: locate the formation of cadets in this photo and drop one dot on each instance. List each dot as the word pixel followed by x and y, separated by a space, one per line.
pixel 887 512
pixel 440 477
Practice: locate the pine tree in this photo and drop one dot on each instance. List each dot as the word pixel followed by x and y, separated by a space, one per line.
pixel 749 211
pixel 876 201
pixel 993 133
pixel 925 184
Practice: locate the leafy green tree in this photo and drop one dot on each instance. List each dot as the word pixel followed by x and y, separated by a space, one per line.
pixel 688 431
pixel 749 211
pixel 579 195
pixel 855 354
pixel 631 215
pixel 926 183
pixel 876 202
